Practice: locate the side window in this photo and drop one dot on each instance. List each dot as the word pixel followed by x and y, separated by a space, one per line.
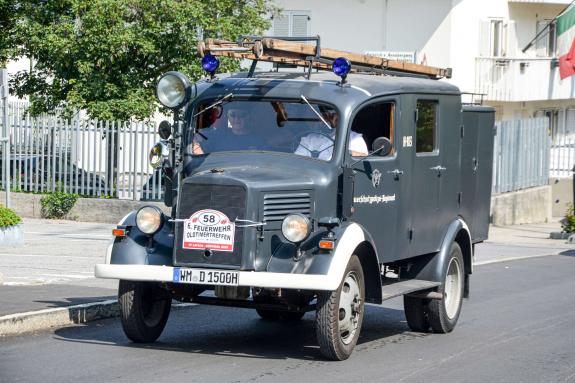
pixel 426 127
pixel 373 121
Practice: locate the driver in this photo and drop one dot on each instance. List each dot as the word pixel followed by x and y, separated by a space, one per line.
pixel 236 136
pixel 320 144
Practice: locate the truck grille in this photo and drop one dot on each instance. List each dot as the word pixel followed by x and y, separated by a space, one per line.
pixel 278 206
pixel 228 199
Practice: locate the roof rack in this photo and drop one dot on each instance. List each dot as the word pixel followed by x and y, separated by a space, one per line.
pixel 298 52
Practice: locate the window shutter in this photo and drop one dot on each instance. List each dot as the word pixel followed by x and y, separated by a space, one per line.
pixel 281 25
pixel 484 37
pixel 510 47
pixel 300 24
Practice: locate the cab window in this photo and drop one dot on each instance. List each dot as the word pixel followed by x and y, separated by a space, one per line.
pixel 426 126
pixel 373 121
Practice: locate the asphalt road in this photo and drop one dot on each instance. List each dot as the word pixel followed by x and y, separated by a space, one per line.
pixel 518 326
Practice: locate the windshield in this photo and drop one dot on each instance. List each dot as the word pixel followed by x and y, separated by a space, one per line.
pixel 278 126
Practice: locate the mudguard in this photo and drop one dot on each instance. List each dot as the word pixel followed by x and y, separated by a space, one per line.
pixel 432 267
pixel 351 238
pixel 137 248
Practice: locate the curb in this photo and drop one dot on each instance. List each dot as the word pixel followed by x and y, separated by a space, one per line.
pixel 15 324
pixel 22 323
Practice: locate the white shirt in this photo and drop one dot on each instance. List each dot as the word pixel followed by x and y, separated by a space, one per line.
pixel 320 146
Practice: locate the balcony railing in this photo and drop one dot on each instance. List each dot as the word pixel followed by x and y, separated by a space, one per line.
pixel 521 79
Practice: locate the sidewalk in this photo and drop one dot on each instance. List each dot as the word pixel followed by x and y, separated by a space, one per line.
pixel 54 270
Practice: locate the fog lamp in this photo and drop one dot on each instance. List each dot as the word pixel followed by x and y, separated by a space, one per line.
pixel 158 153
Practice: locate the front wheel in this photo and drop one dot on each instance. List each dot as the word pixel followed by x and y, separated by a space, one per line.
pixel 144 310
pixel 340 314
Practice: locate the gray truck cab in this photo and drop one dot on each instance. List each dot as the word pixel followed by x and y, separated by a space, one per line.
pixel 291 193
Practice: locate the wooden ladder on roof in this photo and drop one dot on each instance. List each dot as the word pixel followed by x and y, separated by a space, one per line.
pixel 299 52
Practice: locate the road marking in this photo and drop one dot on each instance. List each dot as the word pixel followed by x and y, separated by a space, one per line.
pixel 69 234
pixel 506 259
pixel 47 255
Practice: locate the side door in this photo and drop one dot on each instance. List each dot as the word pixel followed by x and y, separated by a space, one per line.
pixel 380 187
pixel 426 173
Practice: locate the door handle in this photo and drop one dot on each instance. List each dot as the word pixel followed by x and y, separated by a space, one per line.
pixel 396 173
pixel 438 169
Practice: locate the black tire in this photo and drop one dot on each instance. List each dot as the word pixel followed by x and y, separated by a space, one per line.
pixel 144 310
pixel 272 315
pixel 335 341
pixel 416 313
pixel 269 315
pixel 443 314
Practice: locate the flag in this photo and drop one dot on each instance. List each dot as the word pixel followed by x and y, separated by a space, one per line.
pixel 566 42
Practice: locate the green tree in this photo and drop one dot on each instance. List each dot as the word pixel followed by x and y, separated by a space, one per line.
pixel 9 12
pixel 104 56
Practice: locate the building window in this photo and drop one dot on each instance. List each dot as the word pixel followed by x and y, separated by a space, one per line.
pixel 497 38
pixel 426 126
pixel 292 24
pixel 546 43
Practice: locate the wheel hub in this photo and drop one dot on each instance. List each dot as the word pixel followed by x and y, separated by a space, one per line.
pixel 350 306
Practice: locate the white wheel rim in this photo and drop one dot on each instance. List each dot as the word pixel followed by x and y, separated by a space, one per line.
pixel 452 290
pixel 349 308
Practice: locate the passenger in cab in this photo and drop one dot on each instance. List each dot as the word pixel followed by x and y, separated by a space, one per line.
pixel 320 144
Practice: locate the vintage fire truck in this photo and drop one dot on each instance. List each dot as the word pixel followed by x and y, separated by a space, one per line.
pixel 309 191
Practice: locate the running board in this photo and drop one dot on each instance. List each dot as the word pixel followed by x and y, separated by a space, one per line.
pixel 413 287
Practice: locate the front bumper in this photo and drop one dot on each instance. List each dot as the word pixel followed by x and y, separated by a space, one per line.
pixel 246 278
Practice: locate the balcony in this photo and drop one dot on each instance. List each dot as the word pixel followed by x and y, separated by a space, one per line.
pixel 521 79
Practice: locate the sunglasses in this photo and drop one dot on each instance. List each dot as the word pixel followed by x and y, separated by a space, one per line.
pixel 234 114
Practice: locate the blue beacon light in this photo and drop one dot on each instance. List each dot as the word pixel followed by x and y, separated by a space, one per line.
pixel 341 67
pixel 210 64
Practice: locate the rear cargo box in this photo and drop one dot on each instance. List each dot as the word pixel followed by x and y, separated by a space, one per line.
pixel 477 168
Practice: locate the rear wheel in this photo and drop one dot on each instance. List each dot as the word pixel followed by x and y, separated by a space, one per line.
pixel 444 313
pixel 340 314
pixel 144 310
pixel 416 313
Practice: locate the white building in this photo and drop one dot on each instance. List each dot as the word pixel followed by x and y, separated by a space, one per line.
pixel 482 40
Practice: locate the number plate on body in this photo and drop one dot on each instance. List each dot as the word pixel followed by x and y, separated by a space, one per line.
pixel 206 277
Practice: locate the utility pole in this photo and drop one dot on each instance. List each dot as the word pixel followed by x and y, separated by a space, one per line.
pixel 5 137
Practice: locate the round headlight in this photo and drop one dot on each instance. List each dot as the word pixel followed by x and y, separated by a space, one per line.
pixel 173 90
pixel 296 228
pixel 149 219
pixel 157 154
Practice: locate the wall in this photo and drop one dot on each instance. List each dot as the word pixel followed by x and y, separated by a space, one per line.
pixel 561 194
pixel 353 25
pixel 525 206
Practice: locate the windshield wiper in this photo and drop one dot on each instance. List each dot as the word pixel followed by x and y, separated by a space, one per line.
pixel 316 112
pixel 222 100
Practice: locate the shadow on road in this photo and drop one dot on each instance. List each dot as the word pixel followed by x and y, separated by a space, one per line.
pixel 569 253
pixel 240 333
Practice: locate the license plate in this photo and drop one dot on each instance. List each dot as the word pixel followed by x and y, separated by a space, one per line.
pixel 206 277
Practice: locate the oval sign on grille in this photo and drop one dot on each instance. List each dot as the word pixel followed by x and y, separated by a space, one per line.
pixel 209 229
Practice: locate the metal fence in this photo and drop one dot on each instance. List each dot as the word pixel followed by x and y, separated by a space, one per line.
pixel 521 154
pixel 562 156
pixel 82 156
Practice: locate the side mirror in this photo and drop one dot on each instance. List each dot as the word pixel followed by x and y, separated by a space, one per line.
pixel 165 130
pixel 382 146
